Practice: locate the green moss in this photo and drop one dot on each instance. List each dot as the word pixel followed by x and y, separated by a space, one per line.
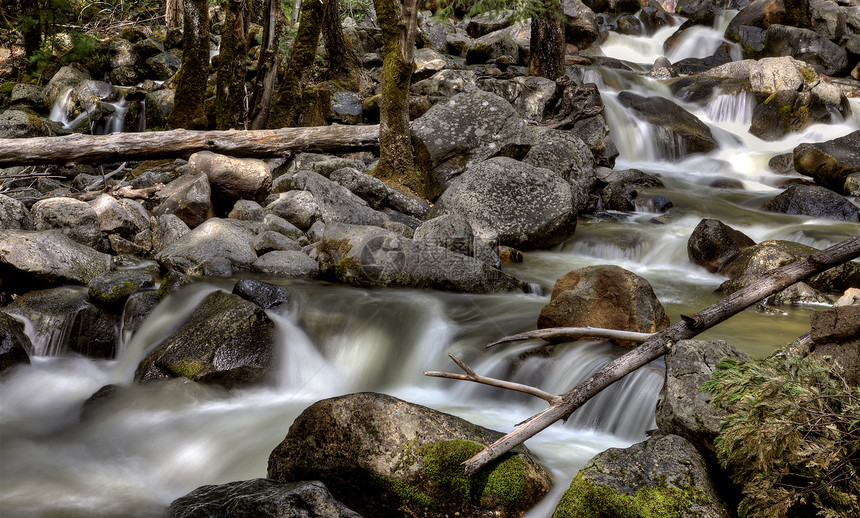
pixel 586 500
pixel 405 491
pixel 334 256
pixel 770 98
pixel 808 74
pixel 443 463
pixel 6 88
pixel 187 369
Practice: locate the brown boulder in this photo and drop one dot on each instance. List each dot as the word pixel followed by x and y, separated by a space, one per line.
pixel 604 296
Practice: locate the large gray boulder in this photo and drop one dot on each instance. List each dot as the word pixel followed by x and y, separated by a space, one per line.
pixel 75 218
pixel 666 474
pixel 372 256
pixel 604 296
pixel 767 75
pixel 682 409
pixel 260 498
pixel 830 163
pixel 469 127
pixel 335 202
pixel 227 341
pixel 680 133
pixel 21 124
pixel 529 95
pixel 385 457
pixel 512 203
pixel 29 259
pixel 580 24
pixel 189 198
pixel 568 156
pixel 812 200
pixel 806 45
pixel 232 179
pixel 216 239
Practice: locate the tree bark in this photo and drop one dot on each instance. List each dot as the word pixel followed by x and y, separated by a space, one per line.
pixel 343 64
pixel 182 143
pixel 399 25
pixel 191 80
pixel 173 14
pixel 546 55
pixel 267 68
pixel 230 110
pixel 662 342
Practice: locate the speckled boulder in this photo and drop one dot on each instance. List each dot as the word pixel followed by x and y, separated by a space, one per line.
pixel 74 218
pixel 662 476
pixel 604 296
pixel 261 498
pixel 512 203
pixel 385 457
pixel 227 341
pixel 14 214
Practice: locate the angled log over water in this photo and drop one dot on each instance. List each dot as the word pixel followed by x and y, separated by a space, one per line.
pixel 118 147
pixel 661 343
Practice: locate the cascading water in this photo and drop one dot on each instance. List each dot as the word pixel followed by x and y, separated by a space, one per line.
pixel 149 444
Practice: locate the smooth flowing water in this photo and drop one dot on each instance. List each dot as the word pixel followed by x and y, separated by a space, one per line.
pixel 151 444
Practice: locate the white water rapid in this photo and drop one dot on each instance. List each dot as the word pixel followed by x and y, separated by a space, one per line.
pixel 151 444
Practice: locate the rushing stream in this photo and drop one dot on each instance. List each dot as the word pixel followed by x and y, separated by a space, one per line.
pixel 151 444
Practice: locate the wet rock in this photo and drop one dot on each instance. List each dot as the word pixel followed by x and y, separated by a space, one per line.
pixel 667 466
pixel 263 294
pixel 95 333
pixel 111 290
pixel 469 127
pixel 787 111
pixel 14 214
pixel 815 201
pixel 136 310
pixel 372 256
pixel 66 78
pixel 232 179
pixel 29 259
pixel 712 243
pixel 631 178
pixel 806 45
pixel 654 18
pixel 261 498
pixel 616 197
pixel 383 456
pixel 580 24
pixel 662 69
pixel 767 75
pixel 14 344
pixel 852 185
pixel 216 238
pixel 604 296
pixel 512 203
pixel 226 341
pixel 567 155
pixel 189 198
pixel 286 263
pixel 678 131
pixel 682 409
pixel 20 124
pixel 831 162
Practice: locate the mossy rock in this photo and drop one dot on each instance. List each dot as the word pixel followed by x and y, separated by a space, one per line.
pixel 111 289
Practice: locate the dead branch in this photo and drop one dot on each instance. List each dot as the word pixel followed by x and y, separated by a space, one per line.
pixel 564 334
pixel 662 342
pixel 471 375
pixel 117 191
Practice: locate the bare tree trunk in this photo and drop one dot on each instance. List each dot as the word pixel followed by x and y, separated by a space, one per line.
pixel 343 64
pixel 399 29
pixel 191 80
pixel 173 14
pixel 181 143
pixel 662 342
pixel 230 88
pixel 267 68
pixel 546 55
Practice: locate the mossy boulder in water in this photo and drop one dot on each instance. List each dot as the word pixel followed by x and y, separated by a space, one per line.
pixel 661 477
pixel 386 457
pixel 830 163
pixel 604 296
pixel 227 341
pixel 112 289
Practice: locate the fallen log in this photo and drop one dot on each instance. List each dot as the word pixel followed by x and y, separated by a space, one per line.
pixel 181 143
pixel 661 343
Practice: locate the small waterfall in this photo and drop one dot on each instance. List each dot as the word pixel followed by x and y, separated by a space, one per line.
pixel 141 123
pixel 49 330
pixel 732 108
pixel 62 107
pixel 116 120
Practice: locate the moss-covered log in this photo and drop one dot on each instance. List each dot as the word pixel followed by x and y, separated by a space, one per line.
pixel 230 87
pixel 302 54
pixel 399 27
pixel 191 79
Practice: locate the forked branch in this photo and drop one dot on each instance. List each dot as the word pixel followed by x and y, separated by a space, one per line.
pixel 471 375
pixel 660 343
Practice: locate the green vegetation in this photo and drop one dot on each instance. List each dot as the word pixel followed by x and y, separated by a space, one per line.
pixel 187 369
pixel 792 437
pixel 586 500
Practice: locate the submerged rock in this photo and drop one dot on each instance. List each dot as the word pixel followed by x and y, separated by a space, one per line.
pixel 815 201
pixel 227 341
pixel 385 457
pixel 663 476
pixel 260 498
pixel 604 296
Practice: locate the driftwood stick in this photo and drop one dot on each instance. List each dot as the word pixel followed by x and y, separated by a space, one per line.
pixel 471 375
pixel 556 334
pixel 182 143
pixel 662 342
